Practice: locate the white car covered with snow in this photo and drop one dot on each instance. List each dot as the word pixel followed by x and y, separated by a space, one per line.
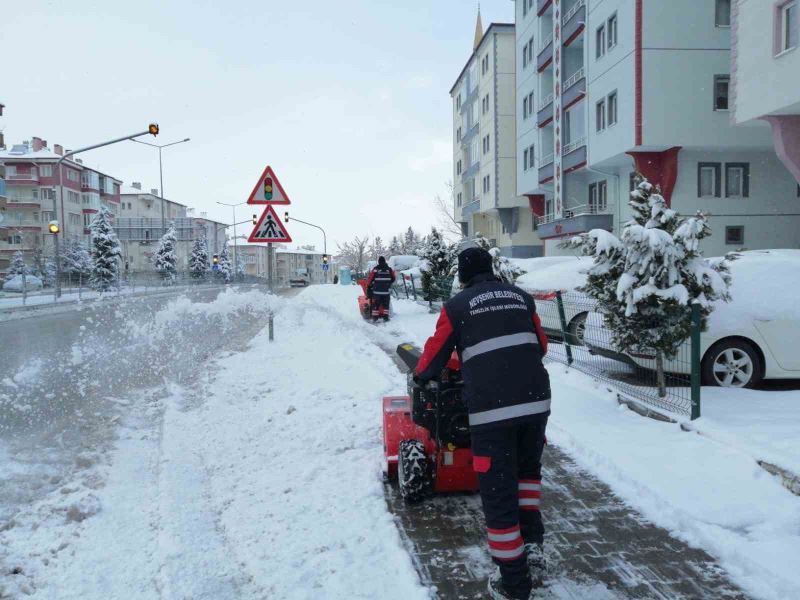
pixel 755 336
pixel 15 284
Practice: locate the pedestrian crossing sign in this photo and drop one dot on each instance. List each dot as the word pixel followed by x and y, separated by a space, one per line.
pixel 268 190
pixel 269 229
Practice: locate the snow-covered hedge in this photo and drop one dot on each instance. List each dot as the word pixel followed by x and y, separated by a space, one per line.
pixel 403 262
pixel 15 283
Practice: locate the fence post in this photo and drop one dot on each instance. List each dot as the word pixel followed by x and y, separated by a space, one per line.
pixel 413 287
pixel 405 285
pixel 271 327
pixel 564 330
pixel 695 356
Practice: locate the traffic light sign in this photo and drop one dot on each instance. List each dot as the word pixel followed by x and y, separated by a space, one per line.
pixel 268 188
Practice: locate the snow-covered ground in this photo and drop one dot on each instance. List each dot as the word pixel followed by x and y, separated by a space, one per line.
pixel 260 477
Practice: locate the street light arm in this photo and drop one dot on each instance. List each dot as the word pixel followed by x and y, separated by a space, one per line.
pixel 122 139
pixel 324 237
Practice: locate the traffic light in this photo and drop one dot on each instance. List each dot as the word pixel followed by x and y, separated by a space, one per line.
pixel 324 259
pixel 215 259
pixel 255 219
pixel 153 128
pixel 286 217
pixel 268 188
pixel 53 227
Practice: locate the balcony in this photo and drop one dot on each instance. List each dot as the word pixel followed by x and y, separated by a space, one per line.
pixel 471 171
pixel 31 175
pixel 545 114
pixel 2 188
pixel 576 219
pixel 545 56
pixel 471 207
pixel 546 169
pixel 574 22
pixel 470 133
pixel 469 99
pixel 573 155
pixel 542 6
pixel 573 90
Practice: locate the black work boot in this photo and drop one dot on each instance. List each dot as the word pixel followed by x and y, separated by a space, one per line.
pixel 537 565
pixel 498 591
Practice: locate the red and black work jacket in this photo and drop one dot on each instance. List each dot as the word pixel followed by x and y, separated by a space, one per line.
pixel 498 336
pixel 381 279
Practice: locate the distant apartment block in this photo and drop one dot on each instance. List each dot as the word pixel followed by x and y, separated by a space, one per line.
pixel 484 146
pixel 606 88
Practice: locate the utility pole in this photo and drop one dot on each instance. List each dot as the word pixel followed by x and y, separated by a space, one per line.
pixel 324 238
pixel 152 129
pixel 235 244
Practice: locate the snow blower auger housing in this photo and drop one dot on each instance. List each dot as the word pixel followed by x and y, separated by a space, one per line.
pixel 426 437
pixel 365 305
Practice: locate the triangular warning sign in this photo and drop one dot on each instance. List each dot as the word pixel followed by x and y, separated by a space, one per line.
pixel 268 190
pixel 269 229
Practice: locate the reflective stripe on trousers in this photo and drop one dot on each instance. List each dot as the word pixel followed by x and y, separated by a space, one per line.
pixel 505 544
pixel 530 494
pixel 504 341
pixel 509 412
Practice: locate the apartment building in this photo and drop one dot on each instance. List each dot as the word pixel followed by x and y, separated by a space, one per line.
pixel 36 195
pixel 484 146
pixel 4 256
pixel 145 217
pixel 765 70
pixel 621 86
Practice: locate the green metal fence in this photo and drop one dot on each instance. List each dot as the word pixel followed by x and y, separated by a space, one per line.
pixel 580 339
pixel 413 287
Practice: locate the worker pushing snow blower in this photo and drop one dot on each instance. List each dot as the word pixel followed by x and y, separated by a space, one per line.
pixel 494 328
pixel 377 291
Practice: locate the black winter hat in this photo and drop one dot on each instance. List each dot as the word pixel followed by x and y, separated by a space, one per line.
pixel 472 262
pixel 381 260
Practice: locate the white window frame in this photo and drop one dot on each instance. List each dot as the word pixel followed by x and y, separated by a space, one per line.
pixel 600 42
pixel 727 80
pixel 717 4
pixel 600 116
pixel 714 191
pixel 525 160
pixel 785 29
pixel 612 103
pixel 611 31
pixel 45 170
pixel 737 193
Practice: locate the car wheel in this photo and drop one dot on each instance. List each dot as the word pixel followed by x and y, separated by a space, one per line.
pixel 732 363
pixel 576 330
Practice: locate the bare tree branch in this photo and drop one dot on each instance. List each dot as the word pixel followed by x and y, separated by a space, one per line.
pixel 445 208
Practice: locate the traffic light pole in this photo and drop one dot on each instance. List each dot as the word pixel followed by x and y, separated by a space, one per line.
pixel 152 129
pixel 324 240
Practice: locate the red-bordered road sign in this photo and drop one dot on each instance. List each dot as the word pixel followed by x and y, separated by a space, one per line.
pixel 269 229
pixel 268 190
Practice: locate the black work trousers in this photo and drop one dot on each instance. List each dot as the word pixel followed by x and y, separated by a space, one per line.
pixel 508 462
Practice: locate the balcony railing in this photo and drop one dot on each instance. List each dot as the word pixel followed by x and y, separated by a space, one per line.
pixel 544 42
pixel 573 79
pixel 29 176
pixel 571 12
pixel 546 159
pixel 575 211
pixel 2 188
pixel 573 146
pixel 545 101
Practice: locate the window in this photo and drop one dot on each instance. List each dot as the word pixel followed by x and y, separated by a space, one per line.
pixel 737 180
pixel 458 170
pixel 486 184
pixel 722 16
pixel 734 235
pixel 459 198
pixel 530 156
pixel 600 116
pixel 73 197
pixel 45 170
pixel 458 134
pixel 612 108
pixel 721 84
pixel 709 176
pixel 486 145
pixel 74 220
pixel 530 50
pixel 485 104
pixel 48 215
pixel 485 65
pixel 11 170
pixel 598 197
pixel 15 238
pixel 527 53
pixel 458 101
pixel 72 175
pixel 525 160
pixel 87 219
pixel 48 194
pixel 787 26
pixel 612 31
pixel 600 41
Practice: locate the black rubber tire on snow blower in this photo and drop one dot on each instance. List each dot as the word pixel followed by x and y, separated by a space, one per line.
pixel 412 470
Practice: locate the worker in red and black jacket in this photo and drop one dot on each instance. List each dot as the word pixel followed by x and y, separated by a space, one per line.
pixel 379 285
pixel 500 341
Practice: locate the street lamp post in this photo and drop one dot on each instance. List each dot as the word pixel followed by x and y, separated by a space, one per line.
pixel 161 175
pixel 324 238
pixel 235 246
pixel 152 129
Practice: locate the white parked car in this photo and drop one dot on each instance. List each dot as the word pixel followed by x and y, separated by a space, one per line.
pixel 15 283
pixel 755 336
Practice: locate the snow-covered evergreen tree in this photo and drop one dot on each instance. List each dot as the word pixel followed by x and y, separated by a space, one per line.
pixel 503 268
pixel 165 260
pixel 76 260
pixel 225 267
pixel 378 249
pixel 17 266
pixel 438 258
pixel 395 247
pixel 198 261
pixel 646 281
pixel 105 251
pixel 410 241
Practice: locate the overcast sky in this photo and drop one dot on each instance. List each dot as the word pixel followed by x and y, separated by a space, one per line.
pixel 347 100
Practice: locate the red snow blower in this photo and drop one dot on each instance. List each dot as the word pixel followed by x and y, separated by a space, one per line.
pixel 366 305
pixel 426 436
